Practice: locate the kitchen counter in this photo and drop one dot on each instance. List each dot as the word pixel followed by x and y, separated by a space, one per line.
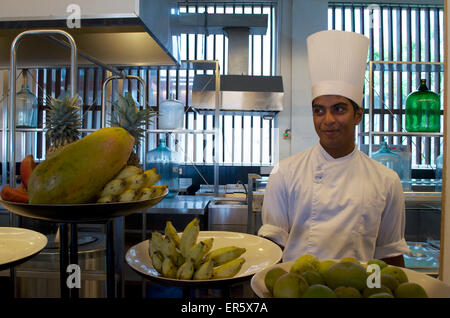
pixel 182 204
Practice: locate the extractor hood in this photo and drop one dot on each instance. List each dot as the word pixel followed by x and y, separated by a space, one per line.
pixel 125 32
pixel 240 92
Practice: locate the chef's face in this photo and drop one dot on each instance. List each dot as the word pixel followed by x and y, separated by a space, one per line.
pixel 335 119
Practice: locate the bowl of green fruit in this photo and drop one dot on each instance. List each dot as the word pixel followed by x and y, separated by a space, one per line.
pixel 310 277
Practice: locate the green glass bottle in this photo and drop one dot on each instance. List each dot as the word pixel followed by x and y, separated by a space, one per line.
pixel 423 110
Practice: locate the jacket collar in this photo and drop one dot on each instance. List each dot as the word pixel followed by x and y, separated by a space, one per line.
pixel 327 157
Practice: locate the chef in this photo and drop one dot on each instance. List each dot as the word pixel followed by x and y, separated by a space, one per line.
pixel 331 200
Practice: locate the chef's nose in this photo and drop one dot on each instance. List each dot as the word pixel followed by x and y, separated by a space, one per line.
pixel 329 117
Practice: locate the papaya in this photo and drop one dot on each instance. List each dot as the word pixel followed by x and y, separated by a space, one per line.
pixel 78 172
pixel 26 168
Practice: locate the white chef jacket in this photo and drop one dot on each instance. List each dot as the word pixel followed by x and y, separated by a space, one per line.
pixel 351 206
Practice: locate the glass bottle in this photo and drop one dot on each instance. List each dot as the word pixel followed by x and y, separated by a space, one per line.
pixel 439 165
pixel 166 163
pixel 438 176
pixel 389 159
pixel 26 106
pixel 171 113
pixel 423 110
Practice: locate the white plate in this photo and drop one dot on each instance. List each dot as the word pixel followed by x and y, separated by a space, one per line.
pixel 434 287
pixel 260 253
pixel 18 243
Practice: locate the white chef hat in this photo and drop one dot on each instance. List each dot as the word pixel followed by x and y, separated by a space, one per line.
pixel 337 63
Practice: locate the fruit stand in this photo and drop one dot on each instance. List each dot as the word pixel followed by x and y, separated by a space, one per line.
pixel 69 215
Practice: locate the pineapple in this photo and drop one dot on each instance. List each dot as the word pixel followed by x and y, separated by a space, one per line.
pixel 128 116
pixel 63 122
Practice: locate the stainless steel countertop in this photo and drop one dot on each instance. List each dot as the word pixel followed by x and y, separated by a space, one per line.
pixel 182 204
pixel 196 204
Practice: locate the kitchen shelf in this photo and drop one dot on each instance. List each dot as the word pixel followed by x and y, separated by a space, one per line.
pixel 82 130
pixel 427 197
pixel 402 66
pixel 410 134
pixel 181 131
pixel 162 131
pixel 396 66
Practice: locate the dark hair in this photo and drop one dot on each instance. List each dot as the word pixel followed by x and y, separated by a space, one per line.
pixel 355 106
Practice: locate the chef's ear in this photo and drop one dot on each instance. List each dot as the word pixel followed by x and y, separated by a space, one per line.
pixel 358 114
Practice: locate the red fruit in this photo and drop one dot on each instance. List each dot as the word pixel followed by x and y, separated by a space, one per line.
pixel 21 188
pixel 14 195
pixel 26 168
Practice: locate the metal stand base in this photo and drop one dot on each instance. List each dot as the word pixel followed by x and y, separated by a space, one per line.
pixel 71 255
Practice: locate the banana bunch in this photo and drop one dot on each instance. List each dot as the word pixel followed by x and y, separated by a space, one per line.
pixel 182 257
pixel 132 184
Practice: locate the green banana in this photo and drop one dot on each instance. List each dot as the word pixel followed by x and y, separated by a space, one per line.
pixel 152 177
pixel 186 270
pixel 208 245
pixel 127 195
pixel 205 271
pixel 157 260
pixel 225 254
pixel 165 246
pixel 114 187
pixel 168 270
pixel 196 252
pixel 156 256
pixel 136 181
pixel 171 232
pixel 179 259
pixel 107 199
pixel 152 244
pixel 145 194
pixel 228 269
pixel 189 236
pixel 158 190
pixel 128 171
pixel 199 250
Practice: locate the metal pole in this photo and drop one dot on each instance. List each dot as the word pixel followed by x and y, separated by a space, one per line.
pixel 218 102
pixel 110 262
pixel 371 88
pixel 12 85
pixel 105 83
pixel 74 253
pixel 12 119
pixel 63 260
pixel 111 290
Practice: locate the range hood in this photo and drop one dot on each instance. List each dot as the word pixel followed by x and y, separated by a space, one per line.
pixel 239 91
pixel 125 32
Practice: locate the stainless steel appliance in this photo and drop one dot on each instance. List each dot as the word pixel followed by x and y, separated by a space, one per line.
pixel 239 91
pixel 130 33
pixel 227 214
pixel 39 277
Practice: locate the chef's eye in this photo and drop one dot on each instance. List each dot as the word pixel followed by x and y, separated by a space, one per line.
pixel 318 110
pixel 340 109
